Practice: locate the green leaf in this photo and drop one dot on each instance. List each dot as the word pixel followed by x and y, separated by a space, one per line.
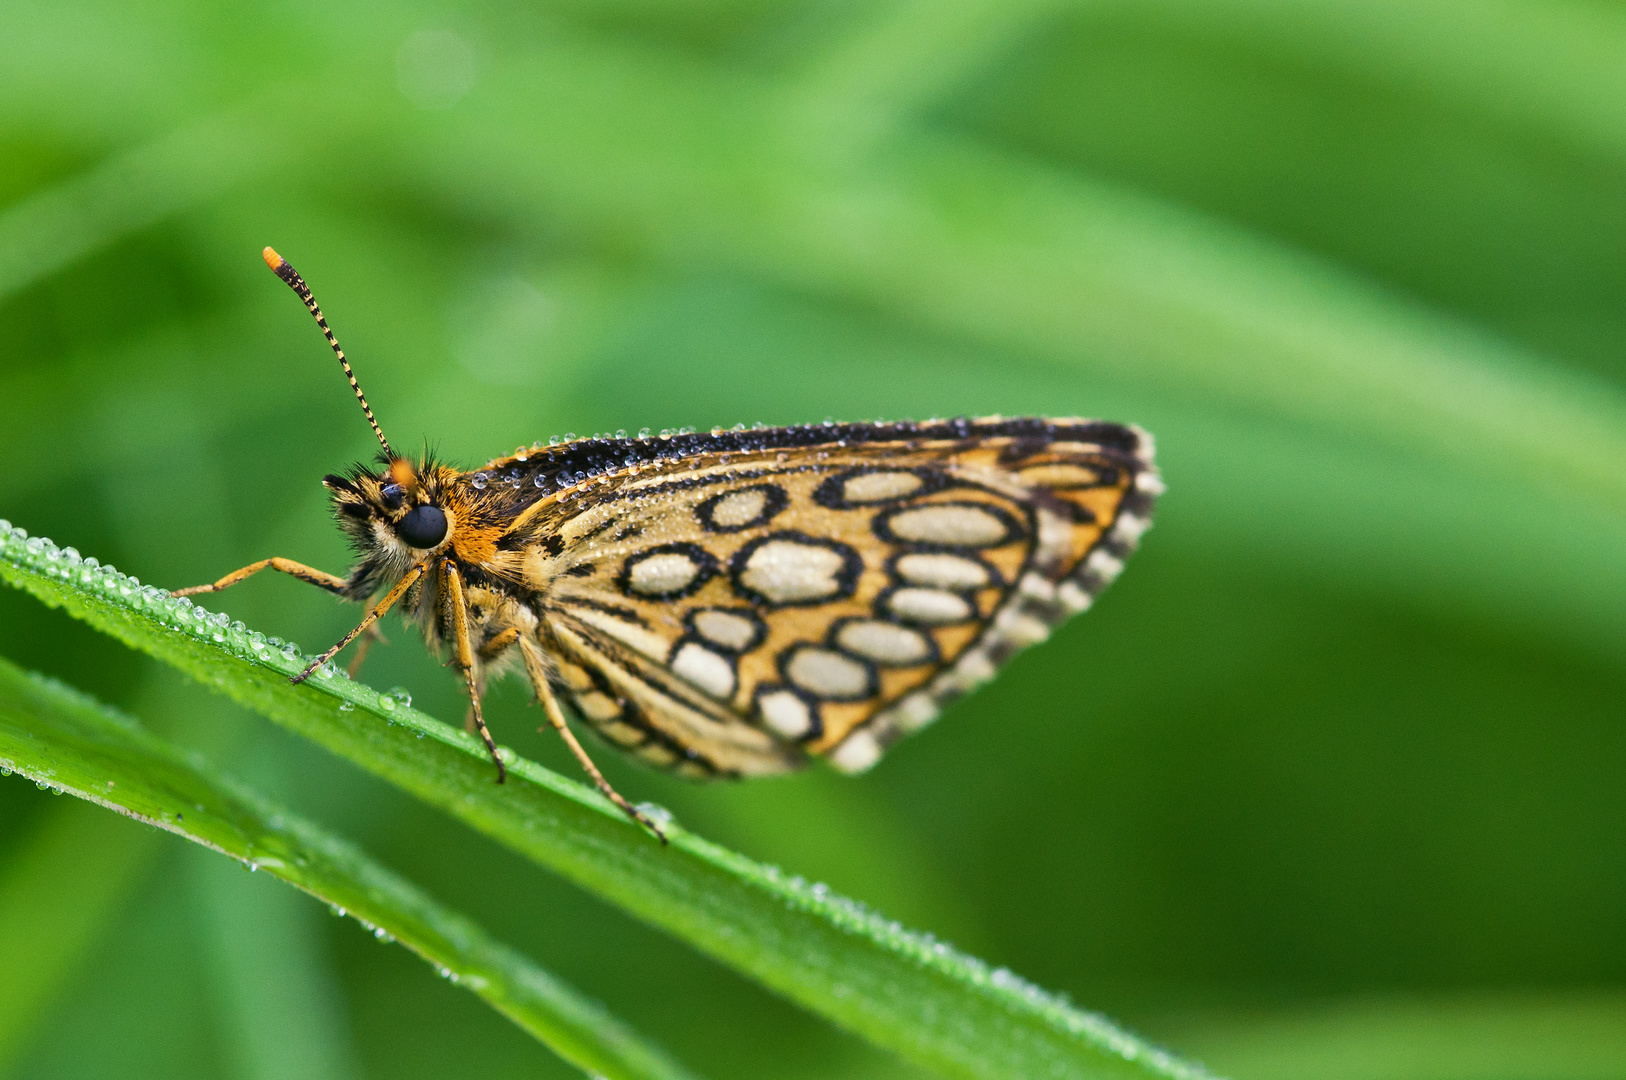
pixel 901 989
pixel 60 888
pixel 59 738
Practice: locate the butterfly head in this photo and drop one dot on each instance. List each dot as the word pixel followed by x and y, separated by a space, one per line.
pixel 397 508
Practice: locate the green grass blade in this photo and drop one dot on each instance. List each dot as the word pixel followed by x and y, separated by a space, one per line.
pixel 902 990
pixel 58 737
pixel 60 887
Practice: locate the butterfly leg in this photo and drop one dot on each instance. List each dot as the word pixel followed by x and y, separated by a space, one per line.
pixel 534 667
pixel 377 612
pixel 287 566
pixel 373 634
pixel 494 647
pixel 458 608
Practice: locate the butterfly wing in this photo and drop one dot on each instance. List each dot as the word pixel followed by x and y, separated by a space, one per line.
pixel 731 606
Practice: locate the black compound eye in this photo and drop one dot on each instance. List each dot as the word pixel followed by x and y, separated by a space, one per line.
pixel 392 496
pixel 423 526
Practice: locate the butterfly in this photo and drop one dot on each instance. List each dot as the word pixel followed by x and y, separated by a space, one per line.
pixel 732 603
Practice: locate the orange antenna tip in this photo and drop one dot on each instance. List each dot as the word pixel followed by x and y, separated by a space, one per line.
pixel 272 259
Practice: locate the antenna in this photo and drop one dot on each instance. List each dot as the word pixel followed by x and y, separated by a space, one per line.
pixel 287 273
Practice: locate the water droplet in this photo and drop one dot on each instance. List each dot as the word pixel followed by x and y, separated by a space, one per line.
pixel 400 696
pixel 643 433
pixel 386 703
pixel 479 481
pixel 347 706
pixel 660 815
pixel 540 481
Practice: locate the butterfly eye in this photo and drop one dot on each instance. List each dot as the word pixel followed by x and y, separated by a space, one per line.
pixel 423 526
pixel 392 496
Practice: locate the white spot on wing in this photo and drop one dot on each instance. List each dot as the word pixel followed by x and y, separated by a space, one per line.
pixel 879 486
pixel 1076 599
pixel 957 526
pixel 788 572
pixel 785 713
pixel 726 628
pixel 1061 475
pixel 973 669
pixel 705 669
pixel 732 511
pixel 942 571
pixel 1036 586
pixel 1150 482
pixel 1019 629
pixel 828 674
pixel 884 642
pixel 914 712
pixel 662 574
pixel 1130 528
pixel 1105 564
pixel 929 606
pixel 857 752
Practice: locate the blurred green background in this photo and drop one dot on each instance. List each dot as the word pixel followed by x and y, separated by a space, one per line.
pixel 1329 785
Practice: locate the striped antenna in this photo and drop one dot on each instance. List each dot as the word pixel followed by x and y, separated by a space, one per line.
pixel 287 273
